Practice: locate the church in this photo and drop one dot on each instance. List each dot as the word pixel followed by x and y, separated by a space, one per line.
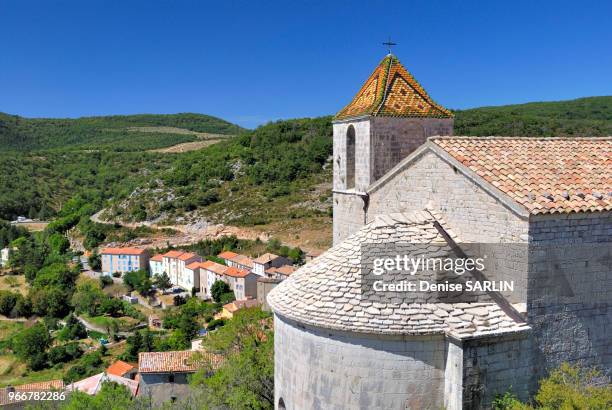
pixel 539 209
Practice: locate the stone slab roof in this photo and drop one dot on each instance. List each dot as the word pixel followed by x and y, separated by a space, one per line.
pixel 392 91
pixel 327 292
pixel 544 175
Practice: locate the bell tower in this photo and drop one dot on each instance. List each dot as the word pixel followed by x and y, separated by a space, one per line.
pixel 389 118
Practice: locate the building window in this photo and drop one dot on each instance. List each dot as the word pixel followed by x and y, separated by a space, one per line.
pixel 281 404
pixel 170 378
pixel 350 157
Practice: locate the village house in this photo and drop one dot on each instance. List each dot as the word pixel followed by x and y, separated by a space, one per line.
pixel 164 376
pixel 242 282
pixel 281 272
pixel 123 260
pixel 156 265
pixel 264 286
pixel 190 279
pixel 539 210
pixel 236 260
pixel 231 308
pixel 210 272
pixel 122 369
pixel 174 263
pixel 267 261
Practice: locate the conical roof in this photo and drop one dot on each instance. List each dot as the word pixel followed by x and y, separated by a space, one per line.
pixel 327 292
pixel 392 91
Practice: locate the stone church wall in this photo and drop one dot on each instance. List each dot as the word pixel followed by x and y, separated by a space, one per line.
pixel 472 213
pixel 569 293
pixel 325 369
pixel 492 365
pixel 393 139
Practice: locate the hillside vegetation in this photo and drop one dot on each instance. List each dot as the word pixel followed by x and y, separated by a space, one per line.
pixel 583 117
pixel 277 174
pixel 115 133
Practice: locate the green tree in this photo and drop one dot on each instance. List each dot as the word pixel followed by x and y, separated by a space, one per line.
pixel 162 281
pixel 245 380
pixel 72 330
pixel 31 342
pixel 95 261
pixel 88 297
pixel 568 387
pixel 8 300
pixel 218 289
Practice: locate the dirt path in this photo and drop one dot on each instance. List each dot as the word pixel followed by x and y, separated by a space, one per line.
pixel 189 234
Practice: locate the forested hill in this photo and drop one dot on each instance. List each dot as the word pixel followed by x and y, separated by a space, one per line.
pixel 583 117
pixel 118 132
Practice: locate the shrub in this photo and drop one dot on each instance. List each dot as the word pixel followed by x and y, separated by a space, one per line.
pixel 216 323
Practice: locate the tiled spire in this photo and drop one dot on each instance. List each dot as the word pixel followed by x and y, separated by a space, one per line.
pixel 391 91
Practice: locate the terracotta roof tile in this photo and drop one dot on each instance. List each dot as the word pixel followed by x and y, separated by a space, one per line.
pixel 157 258
pixel 240 304
pixel 194 265
pixel 188 255
pixel 185 361
pixel 393 92
pixel 265 258
pixel 173 254
pixel 236 273
pixel 227 255
pixel 545 175
pixel 214 267
pixel 119 368
pixel 122 251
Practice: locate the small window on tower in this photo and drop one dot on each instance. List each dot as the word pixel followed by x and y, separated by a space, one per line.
pixel 350 157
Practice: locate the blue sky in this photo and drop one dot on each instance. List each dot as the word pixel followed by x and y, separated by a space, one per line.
pixel 255 61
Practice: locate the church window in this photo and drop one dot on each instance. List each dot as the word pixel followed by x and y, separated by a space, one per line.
pixel 350 157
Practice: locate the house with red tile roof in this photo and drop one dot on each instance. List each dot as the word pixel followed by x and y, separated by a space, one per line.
pixel 236 260
pixel 123 369
pixel 210 272
pixel 123 260
pixel 156 265
pixel 242 282
pixel 231 308
pixel 282 272
pixel 267 261
pixel 164 376
pixel 174 264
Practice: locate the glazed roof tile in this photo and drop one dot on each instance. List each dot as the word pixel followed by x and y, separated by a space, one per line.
pixel 392 91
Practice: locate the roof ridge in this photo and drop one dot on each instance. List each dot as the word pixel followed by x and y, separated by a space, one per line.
pixel 508 137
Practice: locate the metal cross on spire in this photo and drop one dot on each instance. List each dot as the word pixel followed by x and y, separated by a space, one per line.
pixel 389 44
